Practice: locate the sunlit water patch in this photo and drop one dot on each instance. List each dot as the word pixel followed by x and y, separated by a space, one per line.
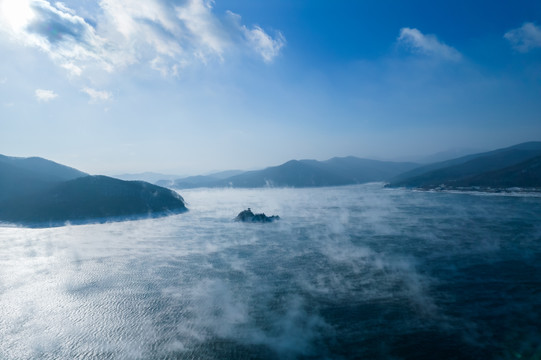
pixel 348 272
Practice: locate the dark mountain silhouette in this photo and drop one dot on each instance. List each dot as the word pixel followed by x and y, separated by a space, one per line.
pixel 39 192
pixel 457 172
pixel 29 175
pixel 305 173
pixel 43 168
pixel 526 174
pixel 448 155
pixel 293 173
pixel 98 198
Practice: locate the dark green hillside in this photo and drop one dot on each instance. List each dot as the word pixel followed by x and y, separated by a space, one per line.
pixel 91 198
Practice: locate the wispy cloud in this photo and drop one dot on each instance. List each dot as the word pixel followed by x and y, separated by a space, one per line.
pixel 65 37
pixel 163 33
pixel 263 43
pixel 72 68
pixel 61 6
pixel 97 95
pixel 257 40
pixel 429 45
pixel 204 29
pixel 525 38
pixel 45 95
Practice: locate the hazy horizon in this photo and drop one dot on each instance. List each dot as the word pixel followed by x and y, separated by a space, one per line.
pixel 193 86
pixel 170 175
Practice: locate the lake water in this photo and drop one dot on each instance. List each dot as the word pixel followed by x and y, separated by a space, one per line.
pixel 349 272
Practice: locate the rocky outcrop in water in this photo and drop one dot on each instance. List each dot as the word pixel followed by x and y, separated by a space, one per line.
pixel 249 216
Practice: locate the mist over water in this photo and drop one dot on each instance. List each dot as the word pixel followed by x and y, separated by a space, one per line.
pixel 348 272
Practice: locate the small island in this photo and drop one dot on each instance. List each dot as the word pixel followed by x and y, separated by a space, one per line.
pixel 249 216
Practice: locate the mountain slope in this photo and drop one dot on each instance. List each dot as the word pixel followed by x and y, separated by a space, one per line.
pixel 453 172
pixel 43 167
pixel 526 174
pixel 36 191
pixel 365 170
pixel 522 151
pixel 225 174
pixel 293 173
pixel 305 173
pixel 147 176
pixel 191 182
pixel 91 198
pixel 29 175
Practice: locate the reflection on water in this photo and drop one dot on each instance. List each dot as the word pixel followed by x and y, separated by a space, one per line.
pixel 350 272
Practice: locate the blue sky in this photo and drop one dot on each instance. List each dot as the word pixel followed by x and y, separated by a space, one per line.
pixel 193 86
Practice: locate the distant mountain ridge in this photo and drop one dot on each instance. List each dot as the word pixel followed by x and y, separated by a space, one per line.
pixel 304 173
pixel 514 166
pixel 198 180
pixel 40 192
pixel 497 168
pixel 147 176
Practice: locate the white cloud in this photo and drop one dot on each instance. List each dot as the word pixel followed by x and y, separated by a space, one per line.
pixel 15 14
pixel 429 45
pixel 140 29
pixel 525 38
pixel 257 40
pixel 73 69
pixel 62 7
pixel 96 95
pixel 66 38
pixel 166 69
pixel 125 32
pixel 204 28
pixel 45 95
pixel 264 44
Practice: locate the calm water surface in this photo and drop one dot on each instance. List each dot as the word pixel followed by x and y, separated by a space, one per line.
pixel 349 272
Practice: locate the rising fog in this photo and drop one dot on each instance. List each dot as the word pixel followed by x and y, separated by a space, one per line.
pixel 347 270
